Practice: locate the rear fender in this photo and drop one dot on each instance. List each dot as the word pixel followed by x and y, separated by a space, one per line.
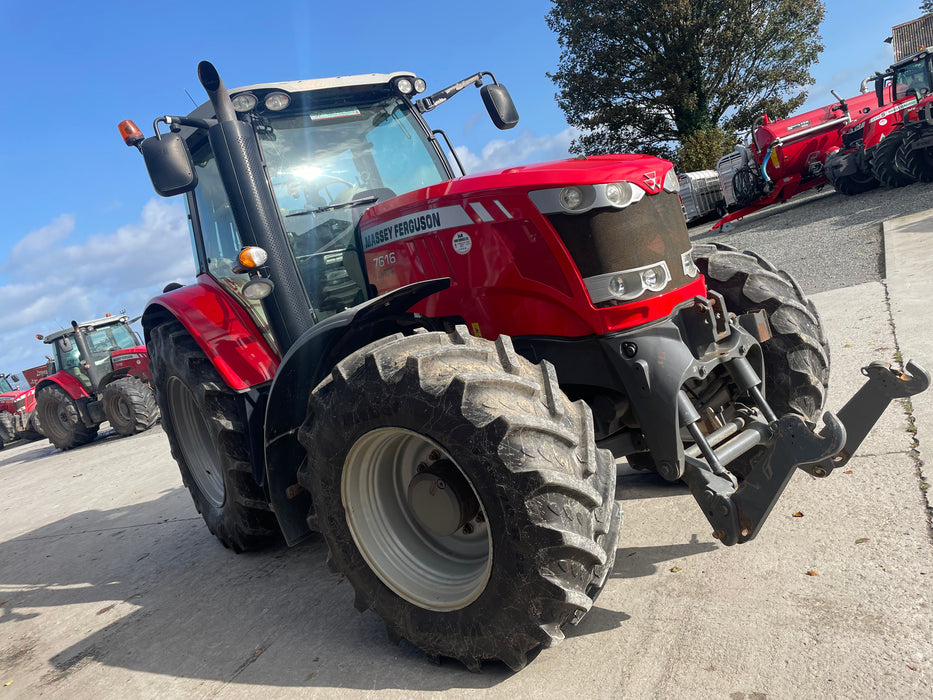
pixel 221 327
pixel 74 388
pixel 308 361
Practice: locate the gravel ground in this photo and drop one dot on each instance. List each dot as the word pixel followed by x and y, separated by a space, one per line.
pixel 824 239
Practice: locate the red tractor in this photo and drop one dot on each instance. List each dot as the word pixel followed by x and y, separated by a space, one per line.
pixel 436 372
pixel 869 153
pixel 786 156
pixel 18 417
pixel 100 373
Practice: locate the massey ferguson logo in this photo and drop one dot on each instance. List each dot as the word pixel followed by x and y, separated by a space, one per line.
pixel 652 180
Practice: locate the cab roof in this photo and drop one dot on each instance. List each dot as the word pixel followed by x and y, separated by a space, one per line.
pixel 87 325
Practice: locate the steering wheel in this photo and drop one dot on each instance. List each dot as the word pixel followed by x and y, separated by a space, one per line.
pixel 332 189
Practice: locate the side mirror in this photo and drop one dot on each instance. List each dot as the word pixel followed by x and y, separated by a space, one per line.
pixel 879 90
pixel 64 344
pixel 169 164
pixel 14 377
pixel 499 104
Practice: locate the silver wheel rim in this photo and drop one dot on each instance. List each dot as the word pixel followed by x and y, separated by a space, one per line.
pixel 194 441
pixel 441 573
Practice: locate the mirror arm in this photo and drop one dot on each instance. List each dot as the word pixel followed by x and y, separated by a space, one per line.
pixel 426 104
pixel 175 123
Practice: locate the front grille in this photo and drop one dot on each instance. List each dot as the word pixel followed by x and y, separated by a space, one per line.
pixel 648 232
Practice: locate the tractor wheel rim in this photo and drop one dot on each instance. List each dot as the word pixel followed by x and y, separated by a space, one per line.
pixel 195 442
pixel 435 572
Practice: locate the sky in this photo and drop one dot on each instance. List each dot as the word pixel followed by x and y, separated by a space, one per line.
pixel 83 233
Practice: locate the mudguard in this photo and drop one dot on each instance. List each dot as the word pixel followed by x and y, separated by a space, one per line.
pixel 222 328
pixel 74 388
pixel 308 361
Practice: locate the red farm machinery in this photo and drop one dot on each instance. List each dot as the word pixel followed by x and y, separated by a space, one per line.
pixel 100 372
pixel 18 417
pixel 786 157
pixel 436 373
pixel 875 149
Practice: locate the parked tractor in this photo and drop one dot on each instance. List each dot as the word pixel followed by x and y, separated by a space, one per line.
pixel 785 157
pixel 100 372
pixel 18 417
pixel 869 153
pixel 437 372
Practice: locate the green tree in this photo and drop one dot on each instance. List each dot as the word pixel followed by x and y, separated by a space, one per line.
pixel 926 7
pixel 657 76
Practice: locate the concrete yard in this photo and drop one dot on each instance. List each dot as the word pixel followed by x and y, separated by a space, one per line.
pixel 111 586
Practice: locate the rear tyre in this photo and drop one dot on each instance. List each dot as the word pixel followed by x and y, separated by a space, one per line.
pixel 6 428
pixel 209 441
pixel 129 405
pixel 464 498
pixel 884 164
pixel 918 162
pixel 60 419
pixel 32 431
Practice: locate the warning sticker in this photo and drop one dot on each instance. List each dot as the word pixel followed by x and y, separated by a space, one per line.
pixel 462 242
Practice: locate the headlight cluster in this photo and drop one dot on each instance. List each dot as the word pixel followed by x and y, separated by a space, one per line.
pixel 274 101
pixel 578 199
pixel 690 267
pixel 628 284
pixel 410 86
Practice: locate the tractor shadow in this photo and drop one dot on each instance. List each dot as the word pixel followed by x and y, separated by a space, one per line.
pixel 147 588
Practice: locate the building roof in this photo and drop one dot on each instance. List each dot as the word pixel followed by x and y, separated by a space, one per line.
pixel 910 37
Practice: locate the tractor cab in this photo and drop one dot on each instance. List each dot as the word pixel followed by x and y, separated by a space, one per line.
pixel 911 77
pixel 5 386
pixel 331 149
pixel 86 351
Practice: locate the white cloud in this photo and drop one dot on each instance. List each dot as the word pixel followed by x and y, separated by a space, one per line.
pixel 52 280
pixel 526 148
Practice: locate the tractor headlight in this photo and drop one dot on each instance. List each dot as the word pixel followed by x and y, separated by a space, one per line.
pixel 671 183
pixel 244 102
pixel 690 267
pixel 571 198
pixel 277 101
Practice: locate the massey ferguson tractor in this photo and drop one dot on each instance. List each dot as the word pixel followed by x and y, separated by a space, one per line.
pixel 436 373
pixel 871 152
pixel 18 417
pixel 785 157
pixel 100 372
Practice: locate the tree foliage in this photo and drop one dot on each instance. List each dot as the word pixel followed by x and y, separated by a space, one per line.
pixel 926 7
pixel 645 76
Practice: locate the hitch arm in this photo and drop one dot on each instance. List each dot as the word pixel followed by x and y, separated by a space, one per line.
pixel 864 409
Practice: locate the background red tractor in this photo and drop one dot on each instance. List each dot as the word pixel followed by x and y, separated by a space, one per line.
pixel 18 417
pixel 870 154
pixel 436 372
pixel 100 372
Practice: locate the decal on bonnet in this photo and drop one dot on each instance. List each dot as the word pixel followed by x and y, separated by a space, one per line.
pixel 414 224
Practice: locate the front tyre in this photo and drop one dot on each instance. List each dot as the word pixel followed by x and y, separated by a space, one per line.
pixel 461 494
pixel 129 405
pixel 208 440
pixel 796 358
pixel 61 421
pixel 885 164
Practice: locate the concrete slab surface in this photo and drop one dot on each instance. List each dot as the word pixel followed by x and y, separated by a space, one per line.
pixel 112 587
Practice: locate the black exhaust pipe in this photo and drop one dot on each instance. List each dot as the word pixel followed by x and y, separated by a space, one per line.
pixel 254 210
pixel 216 91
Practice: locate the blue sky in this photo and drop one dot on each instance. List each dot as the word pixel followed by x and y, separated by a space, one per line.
pixel 83 233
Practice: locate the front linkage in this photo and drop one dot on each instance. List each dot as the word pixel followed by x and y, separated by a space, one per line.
pixel 654 367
